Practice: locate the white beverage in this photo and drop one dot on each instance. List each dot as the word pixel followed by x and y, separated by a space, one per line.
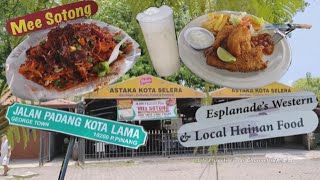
pixel 159 33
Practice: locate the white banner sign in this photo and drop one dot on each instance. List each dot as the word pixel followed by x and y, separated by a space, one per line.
pixel 300 101
pixel 209 133
pixel 147 110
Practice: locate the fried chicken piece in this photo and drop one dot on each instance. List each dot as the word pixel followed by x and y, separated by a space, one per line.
pixel 223 35
pixel 239 41
pixel 220 40
pixel 238 44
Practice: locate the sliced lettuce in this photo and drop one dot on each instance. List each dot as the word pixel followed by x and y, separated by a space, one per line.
pixel 237 19
pixel 257 20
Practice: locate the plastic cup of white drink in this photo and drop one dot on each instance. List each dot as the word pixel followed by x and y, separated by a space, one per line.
pixel 159 33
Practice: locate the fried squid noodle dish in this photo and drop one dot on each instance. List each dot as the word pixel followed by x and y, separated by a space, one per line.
pixel 72 55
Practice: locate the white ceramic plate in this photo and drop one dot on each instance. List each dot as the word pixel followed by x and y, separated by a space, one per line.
pixel 29 90
pixel 279 63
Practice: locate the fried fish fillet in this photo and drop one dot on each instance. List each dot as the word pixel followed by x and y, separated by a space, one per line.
pixel 247 62
pixel 238 42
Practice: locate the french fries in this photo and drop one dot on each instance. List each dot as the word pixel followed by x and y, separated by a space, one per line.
pixel 223 22
pixel 216 22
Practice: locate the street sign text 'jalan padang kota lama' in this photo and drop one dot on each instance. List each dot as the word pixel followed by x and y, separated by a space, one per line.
pixel 88 127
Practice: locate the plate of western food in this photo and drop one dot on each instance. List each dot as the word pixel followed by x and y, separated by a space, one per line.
pixel 233 49
pixel 72 59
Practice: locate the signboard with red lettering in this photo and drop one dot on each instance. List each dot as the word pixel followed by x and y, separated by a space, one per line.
pixel 129 110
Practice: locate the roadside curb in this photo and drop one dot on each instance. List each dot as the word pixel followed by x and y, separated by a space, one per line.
pixel 282 154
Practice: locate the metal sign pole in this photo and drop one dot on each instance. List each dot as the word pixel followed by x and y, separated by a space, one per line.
pixel 41 149
pixel 67 158
pixel 63 170
pixel 81 142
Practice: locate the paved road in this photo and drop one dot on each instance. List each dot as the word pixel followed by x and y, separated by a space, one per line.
pixel 274 166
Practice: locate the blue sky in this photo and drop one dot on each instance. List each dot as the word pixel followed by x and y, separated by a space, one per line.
pixel 305 45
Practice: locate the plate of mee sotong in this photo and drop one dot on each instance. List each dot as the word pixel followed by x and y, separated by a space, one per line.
pixel 69 60
pixel 233 49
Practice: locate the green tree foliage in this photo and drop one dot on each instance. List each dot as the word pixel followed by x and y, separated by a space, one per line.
pixel 274 11
pixel 308 84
